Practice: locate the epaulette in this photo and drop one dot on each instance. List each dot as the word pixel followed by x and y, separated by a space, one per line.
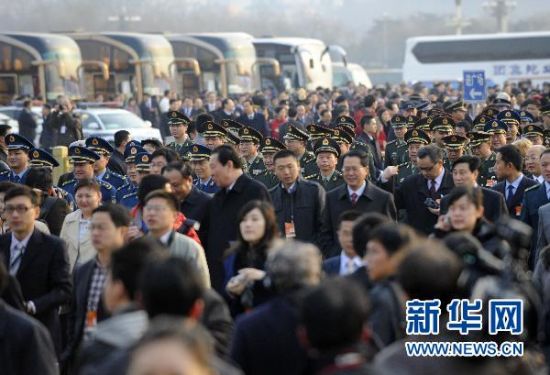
pixel 4 173
pixel 391 142
pixel 311 176
pixel 117 175
pixel 531 188
pixel 129 195
pixel 107 185
pixel 402 164
pixel 67 182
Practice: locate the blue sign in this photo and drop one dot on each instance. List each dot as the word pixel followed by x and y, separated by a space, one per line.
pixel 475 86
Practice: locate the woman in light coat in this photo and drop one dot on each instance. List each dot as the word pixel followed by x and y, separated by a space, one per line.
pixel 76 227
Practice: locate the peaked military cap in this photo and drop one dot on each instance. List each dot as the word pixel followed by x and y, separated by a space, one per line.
pixel 423 124
pixel 199 152
pixel 456 106
pixel 318 131
pixel 232 139
pixel 480 121
pixel 99 145
pixel 341 120
pixel 533 130
pixel 18 142
pixel 343 135
pixel 296 134
pixel 79 154
pixel 490 111
pixel 42 158
pixel 177 118
pixel 143 161
pixel 442 123
pixel 211 129
pixel 478 137
pixel 526 116
pixel 131 151
pixel 454 141
pixel 509 117
pixel 327 145
pixel 399 121
pixel 271 146
pixel 417 136
pixel 545 110
pixel 496 127
pixel 232 125
pixel 248 134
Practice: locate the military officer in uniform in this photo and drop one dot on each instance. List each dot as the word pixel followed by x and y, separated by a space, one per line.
pixel 424 124
pixel 327 152
pixel 535 134
pixel 130 153
pixel 480 122
pixel 269 147
pixel 317 132
pixel 214 135
pixel 296 141
pixel 178 124
pixel 454 145
pixel 480 144
pixel 83 161
pixel 200 161
pixel 441 126
pixel 249 143
pixel 142 162
pixel 397 148
pixel 18 158
pixel 415 139
pixel 525 118
pixel 232 125
pixel 497 129
pixel 511 119
pixel 104 150
pixel 40 158
pixel 546 137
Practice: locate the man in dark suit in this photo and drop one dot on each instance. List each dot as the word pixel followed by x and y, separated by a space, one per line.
pixel 299 204
pixel 27 123
pixel 253 119
pixel 25 344
pixel 465 173
pixel 220 225
pixel 117 162
pixel 109 227
pixel 39 262
pixel 358 194
pixel 433 182
pixel 368 136
pixel 348 261
pixel 193 202
pixel 508 167
pixel 533 198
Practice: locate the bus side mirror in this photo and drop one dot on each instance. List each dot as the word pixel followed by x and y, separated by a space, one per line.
pixel 311 64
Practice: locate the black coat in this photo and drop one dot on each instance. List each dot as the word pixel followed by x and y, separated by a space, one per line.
pixel 265 340
pixel 27 125
pixel 68 128
pixel 411 195
pixel 373 199
pixel 219 226
pixel 514 208
pixel 494 205
pixel 25 344
pixel 53 211
pixel 306 206
pixel 195 205
pixel 77 316
pixel 44 277
pixel 116 163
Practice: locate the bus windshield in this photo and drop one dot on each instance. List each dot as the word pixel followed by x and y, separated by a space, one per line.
pixel 239 73
pixel 61 72
pixel 155 69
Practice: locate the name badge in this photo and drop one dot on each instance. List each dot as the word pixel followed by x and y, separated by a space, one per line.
pixel 290 232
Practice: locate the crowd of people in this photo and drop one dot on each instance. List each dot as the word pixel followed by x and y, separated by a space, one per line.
pixel 275 234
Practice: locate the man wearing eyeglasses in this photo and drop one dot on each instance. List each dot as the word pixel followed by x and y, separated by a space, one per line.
pixel 420 194
pixel 39 262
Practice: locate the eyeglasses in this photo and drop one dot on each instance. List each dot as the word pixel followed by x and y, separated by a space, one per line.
pixel 20 209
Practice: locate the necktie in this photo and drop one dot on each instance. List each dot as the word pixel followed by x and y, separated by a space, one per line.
pixel 17 179
pixel 354 197
pixel 432 189
pixel 510 195
pixel 15 260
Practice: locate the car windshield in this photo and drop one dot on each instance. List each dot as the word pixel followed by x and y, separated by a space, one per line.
pixel 121 121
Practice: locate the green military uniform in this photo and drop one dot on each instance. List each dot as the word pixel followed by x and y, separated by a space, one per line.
pixel 327 145
pixel 268 146
pixel 308 164
pixel 405 170
pixel 397 148
pixel 250 135
pixel 182 149
pixel 453 143
pixel 487 176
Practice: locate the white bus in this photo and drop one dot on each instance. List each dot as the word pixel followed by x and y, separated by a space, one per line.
pixel 302 62
pixel 503 57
